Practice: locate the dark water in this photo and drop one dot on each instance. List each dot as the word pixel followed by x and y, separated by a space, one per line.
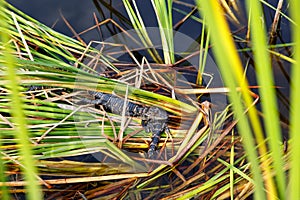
pixel 80 15
pixel 49 12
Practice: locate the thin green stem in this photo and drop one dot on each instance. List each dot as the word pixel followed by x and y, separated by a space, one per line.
pixel 19 119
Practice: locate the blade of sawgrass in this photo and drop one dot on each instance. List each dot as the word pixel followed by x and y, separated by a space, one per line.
pixel 48 40
pixel 231 69
pixel 203 53
pixel 294 174
pixel 68 167
pixel 213 181
pixel 85 146
pixel 163 11
pixel 35 26
pixel 21 132
pixel 268 95
pixel 140 28
pixel 242 173
pixel 190 135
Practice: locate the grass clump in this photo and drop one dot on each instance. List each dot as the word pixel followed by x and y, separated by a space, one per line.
pixel 204 157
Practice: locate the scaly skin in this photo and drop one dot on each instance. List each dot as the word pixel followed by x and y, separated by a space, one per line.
pixel 154 119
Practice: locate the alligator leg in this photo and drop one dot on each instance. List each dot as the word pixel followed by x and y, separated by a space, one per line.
pixel 153 144
pixel 155 121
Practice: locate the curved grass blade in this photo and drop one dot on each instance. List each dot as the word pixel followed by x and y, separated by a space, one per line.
pixel 164 17
pixel 268 96
pixel 294 174
pixel 140 28
pixel 21 132
pixel 231 69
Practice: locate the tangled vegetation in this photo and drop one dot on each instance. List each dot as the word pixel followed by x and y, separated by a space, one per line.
pixel 52 146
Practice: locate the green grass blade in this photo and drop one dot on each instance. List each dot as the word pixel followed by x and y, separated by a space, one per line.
pixel 140 28
pixel 231 69
pixel 267 92
pixel 203 53
pixel 21 132
pixel 294 175
pixel 213 181
pixel 163 13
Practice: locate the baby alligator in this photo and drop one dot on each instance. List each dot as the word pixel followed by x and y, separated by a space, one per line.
pixel 154 119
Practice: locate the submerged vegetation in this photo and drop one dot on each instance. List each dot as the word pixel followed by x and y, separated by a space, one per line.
pixel 53 146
